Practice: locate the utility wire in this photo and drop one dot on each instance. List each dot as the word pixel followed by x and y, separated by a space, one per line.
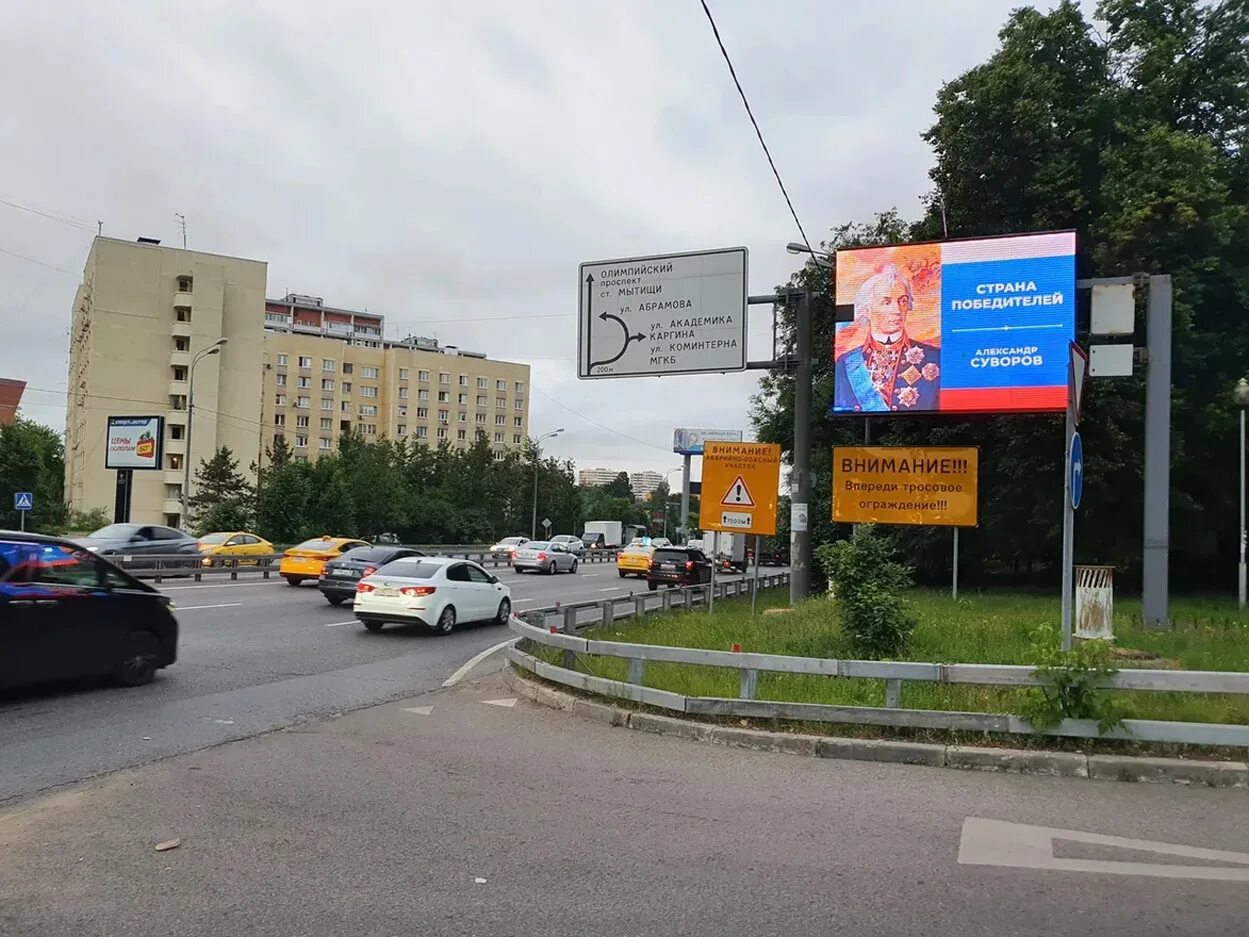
pixel 609 429
pixel 41 263
pixel 751 114
pixel 81 225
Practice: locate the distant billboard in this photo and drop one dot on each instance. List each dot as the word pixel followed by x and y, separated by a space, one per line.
pixel 134 442
pixel 690 441
pixel 970 326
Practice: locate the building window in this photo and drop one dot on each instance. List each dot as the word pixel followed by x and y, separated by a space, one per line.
pixel 516 439
pixel 327 403
pixel 345 406
pixel 481 383
pixel 444 377
pixel 421 432
pixel 463 417
pixel 463 398
pixel 346 387
pixel 301 442
pixel 481 418
pixel 305 361
pixel 327 364
pixel 367 410
pixel 367 391
pixel 442 415
pixel 422 395
pixel 281 361
pixel 401 429
pixel 422 376
pixel 516 422
pixel 403 412
pixel 324 444
pixel 277 440
pixel 181 343
pixel 281 400
pixel 347 366
pixel 442 432
pixel 481 400
pixel 281 379
pixel 463 380
pixel 520 405
pixel 279 419
pixel 520 388
pixel 403 374
pixel 500 420
pixel 301 402
pixel 179 373
pixel 500 402
pixel 498 437
pixel 422 413
pixel 301 422
pixel 368 372
pixel 327 385
pixel 443 396
pixel 403 393
pixel 327 424
pixel 182 315
pixel 305 382
pixel 500 386
pixel 184 284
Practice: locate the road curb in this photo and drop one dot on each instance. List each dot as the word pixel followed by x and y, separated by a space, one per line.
pixel 1219 774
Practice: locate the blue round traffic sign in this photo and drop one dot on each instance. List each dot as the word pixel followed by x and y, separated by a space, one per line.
pixel 1075 469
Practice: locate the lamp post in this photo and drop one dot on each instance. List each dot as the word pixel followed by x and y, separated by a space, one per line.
pixel 1241 396
pixel 667 475
pixel 533 528
pixel 213 349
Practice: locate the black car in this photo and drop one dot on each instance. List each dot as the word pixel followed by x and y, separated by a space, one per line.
pixel 678 566
pixel 65 612
pixel 340 575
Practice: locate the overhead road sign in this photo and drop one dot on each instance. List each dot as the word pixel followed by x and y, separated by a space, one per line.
pixel 740 480
pixel 23 501
pixel 690 441
pixel 666 314
pixel 925 485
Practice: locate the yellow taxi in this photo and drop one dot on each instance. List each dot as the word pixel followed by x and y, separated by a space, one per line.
pixel 306 560
pixel 635 559
pixel 233 545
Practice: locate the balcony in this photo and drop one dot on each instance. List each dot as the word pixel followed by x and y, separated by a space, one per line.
pixel 175 446
pixel 180 359
pixel 180 329
pixel 175 417
pixel 171 506
pixel 178 388
pixel 182 300
pixel 172 476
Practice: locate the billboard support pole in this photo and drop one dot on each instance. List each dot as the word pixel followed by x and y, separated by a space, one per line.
pixel 954 576
pixel 1069 520
pixel 1157 455
pixel 800 483
pixel 715 561
pixel 121 500
pixel 685 497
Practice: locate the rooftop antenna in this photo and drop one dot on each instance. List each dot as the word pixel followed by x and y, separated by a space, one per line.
pixel 182 224
pixel 99 229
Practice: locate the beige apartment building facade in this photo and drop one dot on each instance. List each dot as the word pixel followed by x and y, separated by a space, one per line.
pixel 290 367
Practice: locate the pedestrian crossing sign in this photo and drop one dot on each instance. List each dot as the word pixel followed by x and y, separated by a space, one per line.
pixel 23 501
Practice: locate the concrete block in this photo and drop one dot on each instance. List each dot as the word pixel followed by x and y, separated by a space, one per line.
pixel 764 741
pixel 546 696
pixel 666 725
pixel 907 753
pixel 1057 764
pixel 600 712
pixel 1173 770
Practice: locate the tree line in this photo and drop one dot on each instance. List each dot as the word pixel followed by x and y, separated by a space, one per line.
pixel 1134 134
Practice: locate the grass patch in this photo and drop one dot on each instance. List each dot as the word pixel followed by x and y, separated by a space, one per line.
pixel 977 628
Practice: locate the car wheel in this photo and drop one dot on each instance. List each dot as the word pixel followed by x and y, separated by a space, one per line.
pixel 293 580
pixel 550 570
pixel 335 599
pixel 374 626
pixel 446 621
pixel 622 573
pixel 652 586
pixel 138 662
pixel 573 567
pixel 504 612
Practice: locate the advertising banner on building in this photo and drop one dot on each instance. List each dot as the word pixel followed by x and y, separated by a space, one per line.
pixel 134 442
pixel 969 326
pixel 933 485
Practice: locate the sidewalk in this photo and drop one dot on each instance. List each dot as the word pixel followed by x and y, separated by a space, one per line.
pixel 382 822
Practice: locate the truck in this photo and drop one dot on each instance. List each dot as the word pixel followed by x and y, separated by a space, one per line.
pixel 602 535
pixel 730 548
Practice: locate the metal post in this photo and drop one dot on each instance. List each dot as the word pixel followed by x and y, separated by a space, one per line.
pixel 954 577
pixel 800 483
pixel 1157 454
pixel 186 455
pixel 533 526
pixel 1069 522
pixel 22 527
pixel 754 585
pixel 715 561
pixel 685 498
pixel 1241 578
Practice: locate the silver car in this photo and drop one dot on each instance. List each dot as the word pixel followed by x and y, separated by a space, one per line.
pixel 544 556
pixel 571 543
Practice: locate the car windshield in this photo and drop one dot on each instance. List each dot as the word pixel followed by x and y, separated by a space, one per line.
pixel 670 554
pixel 410 569
pixel 317 546
pixel 369 554
pixel 537 545
pixel 590 538
pixel 116 532
pixel 214 538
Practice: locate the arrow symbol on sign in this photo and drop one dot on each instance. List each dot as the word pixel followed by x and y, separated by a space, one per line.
pixel 1076 467
pixel 589 313
pixel 604 316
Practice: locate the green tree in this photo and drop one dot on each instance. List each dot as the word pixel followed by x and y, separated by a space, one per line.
pixel 32 458
pixel 223 499
pixel 618 487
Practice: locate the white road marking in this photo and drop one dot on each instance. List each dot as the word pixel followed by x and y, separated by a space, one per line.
pixel 609 589
pixel 339 624
pixel 419 710
pixel 505 703
pixel 1020 846
pixel 196 608
pixel 473 661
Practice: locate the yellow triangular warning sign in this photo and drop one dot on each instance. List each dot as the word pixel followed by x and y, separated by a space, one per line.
pixel 738 495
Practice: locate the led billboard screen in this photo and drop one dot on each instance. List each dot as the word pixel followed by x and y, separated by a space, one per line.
pixel 970 326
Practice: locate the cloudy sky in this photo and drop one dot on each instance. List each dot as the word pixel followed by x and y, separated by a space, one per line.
pixel 450 164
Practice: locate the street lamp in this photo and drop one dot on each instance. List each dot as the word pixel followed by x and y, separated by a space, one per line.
pixel 213 349
pixel 820 258
pixel 533 528
pixel 1241 396
pixel 667 475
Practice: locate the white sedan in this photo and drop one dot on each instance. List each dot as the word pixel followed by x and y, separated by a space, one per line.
pixel 435 591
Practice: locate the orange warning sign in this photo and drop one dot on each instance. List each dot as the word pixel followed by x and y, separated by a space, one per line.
pixel 745 477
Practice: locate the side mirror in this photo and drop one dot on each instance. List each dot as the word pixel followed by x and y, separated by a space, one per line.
pixel 493 579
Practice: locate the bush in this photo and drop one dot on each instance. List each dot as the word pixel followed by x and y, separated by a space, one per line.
pixel 869 582
pixel 1073 679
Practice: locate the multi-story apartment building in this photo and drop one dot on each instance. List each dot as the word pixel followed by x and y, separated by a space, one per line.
pixel 643 483
pixel 290 367
pixel 596 477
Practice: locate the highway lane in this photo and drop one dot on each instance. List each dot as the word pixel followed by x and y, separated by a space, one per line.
pixel 254 655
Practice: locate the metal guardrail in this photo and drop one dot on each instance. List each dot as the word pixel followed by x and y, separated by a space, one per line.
pixel 749 665
pixel 174 565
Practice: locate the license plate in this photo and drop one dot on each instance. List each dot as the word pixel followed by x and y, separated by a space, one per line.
pixel 388 592
pixel 345 573
pixel 667 566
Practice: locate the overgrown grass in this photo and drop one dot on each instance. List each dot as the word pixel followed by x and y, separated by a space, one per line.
pixel 978 628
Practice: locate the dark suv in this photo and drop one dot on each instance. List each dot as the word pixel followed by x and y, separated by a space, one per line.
pixel 678 566
pixel 340 575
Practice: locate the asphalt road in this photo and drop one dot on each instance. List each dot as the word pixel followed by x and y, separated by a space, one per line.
pixel 445 815
pixel 254 656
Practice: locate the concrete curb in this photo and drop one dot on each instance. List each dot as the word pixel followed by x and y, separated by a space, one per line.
pixel 1221 774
